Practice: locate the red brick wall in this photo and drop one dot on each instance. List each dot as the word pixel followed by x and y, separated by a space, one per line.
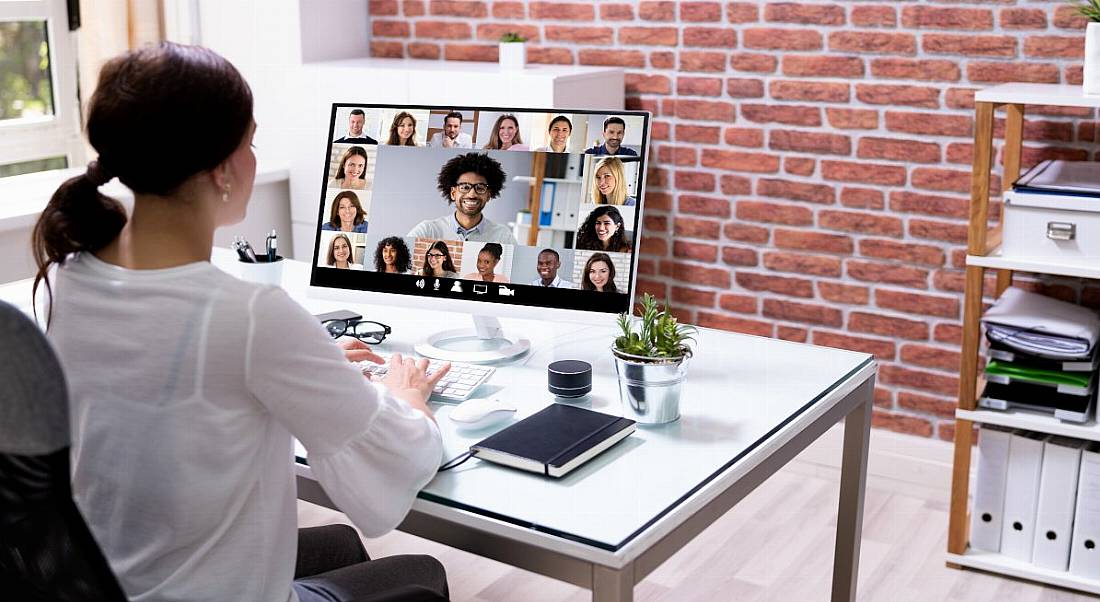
pixel 811 161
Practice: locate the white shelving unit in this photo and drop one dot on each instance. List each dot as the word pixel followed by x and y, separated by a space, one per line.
pixel 1012 98
pixel 1032 421
pixel 1041 265
pixel 987 561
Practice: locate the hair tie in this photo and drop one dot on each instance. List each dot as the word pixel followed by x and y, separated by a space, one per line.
pixel 98 174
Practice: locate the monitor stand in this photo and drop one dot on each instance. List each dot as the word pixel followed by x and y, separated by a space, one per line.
pixel 486 343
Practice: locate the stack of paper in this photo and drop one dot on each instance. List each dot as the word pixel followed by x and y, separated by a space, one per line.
pixel 1043 355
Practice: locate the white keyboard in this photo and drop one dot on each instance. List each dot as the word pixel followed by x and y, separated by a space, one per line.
pixel 458 385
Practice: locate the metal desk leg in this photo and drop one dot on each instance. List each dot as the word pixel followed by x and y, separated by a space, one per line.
pixel 853 482
pixel 610 585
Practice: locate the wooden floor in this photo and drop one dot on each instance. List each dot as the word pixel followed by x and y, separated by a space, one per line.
pixel 777 544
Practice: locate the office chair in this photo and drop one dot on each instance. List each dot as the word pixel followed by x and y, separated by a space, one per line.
pixel 46 550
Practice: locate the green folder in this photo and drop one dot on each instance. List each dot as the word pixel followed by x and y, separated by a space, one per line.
pixel 1038 375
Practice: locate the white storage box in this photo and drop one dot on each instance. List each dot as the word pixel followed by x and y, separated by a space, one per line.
pixel 1051 226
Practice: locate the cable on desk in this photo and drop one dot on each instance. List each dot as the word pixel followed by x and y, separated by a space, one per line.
pixel 454 462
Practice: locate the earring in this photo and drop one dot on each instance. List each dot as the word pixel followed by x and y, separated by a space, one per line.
pixel 225 194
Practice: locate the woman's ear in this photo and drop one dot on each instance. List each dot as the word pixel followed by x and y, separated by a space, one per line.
pixel 221 177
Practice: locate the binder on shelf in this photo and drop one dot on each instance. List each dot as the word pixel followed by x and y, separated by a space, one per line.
pixel 989 490
pixel 1037 398
pixel 567 203
pixel 1057 498
pixel 546 203
pixel 1084 556
pixel 1025 462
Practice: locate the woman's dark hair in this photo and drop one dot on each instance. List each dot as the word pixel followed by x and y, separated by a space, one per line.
pixel 479 163
pixel 494 136
pixel 493 248
pixel 586 236
pixel 332 249
pixel 353 151
pixel 448 264
pixel 557 119
pixel 397 119
pixel 586 282
pixel 210 107
pixel 334 211
pixel 403 261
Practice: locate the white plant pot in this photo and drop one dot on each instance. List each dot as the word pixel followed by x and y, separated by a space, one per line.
pixel 513 55
pixel 1091 73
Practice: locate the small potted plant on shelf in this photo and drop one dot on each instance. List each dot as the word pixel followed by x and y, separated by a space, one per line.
pixel 651 362
pixel 1090 75
pixel 513 51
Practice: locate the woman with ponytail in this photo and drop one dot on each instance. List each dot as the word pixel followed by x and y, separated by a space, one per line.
pixel 188 386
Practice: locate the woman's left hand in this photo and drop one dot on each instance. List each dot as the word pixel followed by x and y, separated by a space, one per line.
pixel 358 351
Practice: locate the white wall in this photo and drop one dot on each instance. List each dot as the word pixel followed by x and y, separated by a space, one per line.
pixel 269 208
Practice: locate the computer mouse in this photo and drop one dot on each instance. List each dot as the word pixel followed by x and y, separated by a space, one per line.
pixel 478 412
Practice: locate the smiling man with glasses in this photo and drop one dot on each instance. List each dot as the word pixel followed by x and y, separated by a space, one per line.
pixel 469 181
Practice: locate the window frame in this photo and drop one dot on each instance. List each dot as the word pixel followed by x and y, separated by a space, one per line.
pixel 58 134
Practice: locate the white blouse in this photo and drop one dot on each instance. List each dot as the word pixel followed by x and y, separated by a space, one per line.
pixel 187 387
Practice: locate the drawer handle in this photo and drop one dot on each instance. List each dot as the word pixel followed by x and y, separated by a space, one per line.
pixel 1061 231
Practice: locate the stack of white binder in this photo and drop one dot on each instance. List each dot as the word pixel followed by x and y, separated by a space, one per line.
pixel 1037 500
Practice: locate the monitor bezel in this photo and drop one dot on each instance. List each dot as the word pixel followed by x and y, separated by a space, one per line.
pixel 323 282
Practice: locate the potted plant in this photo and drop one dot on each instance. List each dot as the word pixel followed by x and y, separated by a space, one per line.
pixel 1090 75
pixel 513 51
pixel 651 362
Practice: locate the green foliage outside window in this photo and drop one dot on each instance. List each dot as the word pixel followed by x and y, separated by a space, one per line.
pixel 25 87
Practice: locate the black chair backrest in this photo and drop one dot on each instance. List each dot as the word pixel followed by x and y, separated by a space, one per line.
pixel 46 550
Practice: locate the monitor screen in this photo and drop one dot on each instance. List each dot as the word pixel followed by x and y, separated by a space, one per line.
pixel 528 207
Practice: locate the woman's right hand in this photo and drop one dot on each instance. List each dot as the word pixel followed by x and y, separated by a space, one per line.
pixel 408 380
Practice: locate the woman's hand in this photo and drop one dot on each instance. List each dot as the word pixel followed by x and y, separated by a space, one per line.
pixel 408 380
pixel 358 351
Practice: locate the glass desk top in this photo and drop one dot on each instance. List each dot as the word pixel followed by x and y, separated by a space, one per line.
pixel 740 390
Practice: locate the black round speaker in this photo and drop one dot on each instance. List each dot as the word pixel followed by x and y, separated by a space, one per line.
pixel 569 378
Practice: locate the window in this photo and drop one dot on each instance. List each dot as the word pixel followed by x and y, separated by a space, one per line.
pixel 39 113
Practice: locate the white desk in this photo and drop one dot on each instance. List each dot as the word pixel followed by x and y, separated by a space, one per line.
pixel 749 405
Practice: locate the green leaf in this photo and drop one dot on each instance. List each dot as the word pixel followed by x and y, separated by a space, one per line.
pixel 660 334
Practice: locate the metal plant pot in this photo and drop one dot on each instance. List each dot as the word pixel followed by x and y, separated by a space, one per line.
pixel 650 387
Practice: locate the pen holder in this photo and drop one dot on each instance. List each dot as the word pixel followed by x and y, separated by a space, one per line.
pixel 263 271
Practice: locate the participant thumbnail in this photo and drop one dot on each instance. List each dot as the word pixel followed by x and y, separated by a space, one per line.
pixel 407 127
pixel 451 129
pixel 617 134
pixel 342 250
pixel 492 261
pixel 611 180
pixel 560 132
pixel 351 166
pixel 346 211
pixel 394 255
pixel 543 266
pixel 602 272
pixel 604 228
pixel 437 258
pixel 356 126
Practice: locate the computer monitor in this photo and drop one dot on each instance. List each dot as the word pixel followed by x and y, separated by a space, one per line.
pixel 490 211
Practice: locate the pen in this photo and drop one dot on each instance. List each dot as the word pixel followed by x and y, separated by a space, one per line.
pixel 238 246
pixel 246 248
pixel 272 246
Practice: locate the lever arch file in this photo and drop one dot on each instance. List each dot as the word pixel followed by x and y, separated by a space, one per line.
pixel 1057 497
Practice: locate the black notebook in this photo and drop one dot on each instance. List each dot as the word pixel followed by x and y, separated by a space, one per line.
pixel 555 440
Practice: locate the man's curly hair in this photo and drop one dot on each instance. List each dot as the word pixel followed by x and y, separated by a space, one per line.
pixel 481 164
